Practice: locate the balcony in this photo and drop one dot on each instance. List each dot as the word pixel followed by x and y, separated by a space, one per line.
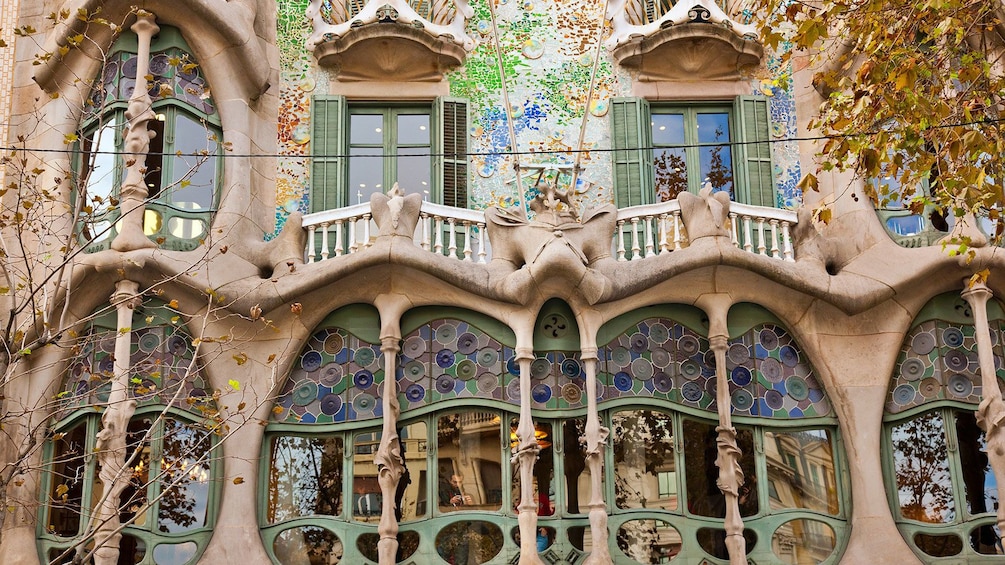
pixel 687 40
pixel 645 231
pixel 389 40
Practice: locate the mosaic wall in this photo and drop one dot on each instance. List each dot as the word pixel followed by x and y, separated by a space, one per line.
pixel 338 378
pixel 548 48
pixel 939 362
pixel 769 376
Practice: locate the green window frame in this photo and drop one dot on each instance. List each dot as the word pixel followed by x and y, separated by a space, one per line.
pixel 343 154
pixel 640 155
pixel 184 168
pixel 166 527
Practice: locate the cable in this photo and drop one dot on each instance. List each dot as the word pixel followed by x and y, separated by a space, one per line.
pixel 503 153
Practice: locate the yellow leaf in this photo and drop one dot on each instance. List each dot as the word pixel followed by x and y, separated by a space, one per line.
pixel 234 384
pixel 62 490
pixel 173 304
pixel 238 480
pixel 241 359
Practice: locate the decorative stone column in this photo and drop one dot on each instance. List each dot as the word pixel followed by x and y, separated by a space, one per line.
pixel 111 440
pixel 525 455
pixel 728 460
pixel 133 191
pixel 991 411
pixel 596 440
pixel 389 461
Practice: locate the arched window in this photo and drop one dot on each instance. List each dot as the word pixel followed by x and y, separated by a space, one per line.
pixel 660 407
pixel 166 506
pixel 943 491
pixel 182 167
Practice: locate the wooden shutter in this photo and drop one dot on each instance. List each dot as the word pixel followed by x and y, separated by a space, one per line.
pixel 631 139
pixel 451 146
pixel 755 174
pixel 328 113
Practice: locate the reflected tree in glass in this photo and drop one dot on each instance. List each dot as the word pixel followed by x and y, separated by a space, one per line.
pixel 921 462
pixel 645 470
pixel 305 477
pixel 185 469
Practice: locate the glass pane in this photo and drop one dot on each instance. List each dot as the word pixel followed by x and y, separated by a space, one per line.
pixel 185 466
pixel 413 169
pixel 413 129
pixel 133 500
pixel 801 470
pixel 68 478
pixel 668 129
pixel 644 466
pixel 803 542
pixel 307 545
pixel 174 553
pixel 578 481
pixel 912 224
pixel 305 477
pixel 413 499
pixel 987 540
pixel 979 482
pixel 716 162
pixel 186 228
pixel 713 541
pixel 155 159
pixel 469 462
pixel 544 469
pixel 408 542
pixel 366 129
pixel 470 543
pixel 922 466
pixel 700 451
pixel 944 545
pixel 649 541
pixel 99 166
pixel 671 173
pixel 131 550
pixel 366 175
pixel 197 165
pixel 366 495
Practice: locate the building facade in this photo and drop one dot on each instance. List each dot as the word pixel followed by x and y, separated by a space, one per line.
pixel 456 281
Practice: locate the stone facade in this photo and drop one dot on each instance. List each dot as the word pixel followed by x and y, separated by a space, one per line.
pixel 407 266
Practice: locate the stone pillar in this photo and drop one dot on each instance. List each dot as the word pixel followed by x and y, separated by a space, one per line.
pixel 390 463
pixel 991 411
pixel 133 191
pixel 728 460
pixel 111 440
pixel 525 456
pixel 596 440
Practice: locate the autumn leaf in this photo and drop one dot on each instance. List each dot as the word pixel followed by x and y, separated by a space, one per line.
pixel 234 384
pixel 238 480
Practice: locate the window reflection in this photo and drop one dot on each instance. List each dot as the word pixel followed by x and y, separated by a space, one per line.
pixel 578 484
pixel 544 469
pixel 801 470
pixel 803 542
pixel 645 470
pixel 978 479
pixel 412 499
pixel 308 545
pixel 305 477
pixel 700 451
pixel 184 466
pixel 133 500
pixel 67 488
pixel 366 495
pixel 649 541
pixel 469 461
pixel 921 462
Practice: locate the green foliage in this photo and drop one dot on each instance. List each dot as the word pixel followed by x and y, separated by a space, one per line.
pixel 913 94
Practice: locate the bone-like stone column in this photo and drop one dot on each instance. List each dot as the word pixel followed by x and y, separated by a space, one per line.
pixel 991 411
pixel 728 459
pixel 390 464
pixel 133 191
pixel 525 456
pixel 111 444
pixel 596 440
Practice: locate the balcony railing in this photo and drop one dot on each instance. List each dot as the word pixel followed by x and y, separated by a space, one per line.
pixel 643 231
pixel 654 229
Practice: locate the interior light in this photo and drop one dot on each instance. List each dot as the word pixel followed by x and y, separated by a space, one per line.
pixel 663 128
pixel 362 185
pixel 377 186
pixel 424 183
pixel 423 128
pixel 161 117
pixel 378 130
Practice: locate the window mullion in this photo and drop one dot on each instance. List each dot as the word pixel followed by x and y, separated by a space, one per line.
pixel 691 152
pixel 390 149
pixel 955 472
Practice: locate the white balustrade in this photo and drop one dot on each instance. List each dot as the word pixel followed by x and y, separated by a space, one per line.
pixel 755 229
pixel 642 231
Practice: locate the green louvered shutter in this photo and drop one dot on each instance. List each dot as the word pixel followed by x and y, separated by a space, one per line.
pixel 451 145
pixel 753 160
pixel 633 158
pixel 328 148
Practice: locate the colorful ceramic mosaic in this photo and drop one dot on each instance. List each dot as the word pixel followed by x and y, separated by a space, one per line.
pixel 338 378
pixel 447 359
pixel 162 371
pixel 939 362
pixel 548 48
pixel 768 374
